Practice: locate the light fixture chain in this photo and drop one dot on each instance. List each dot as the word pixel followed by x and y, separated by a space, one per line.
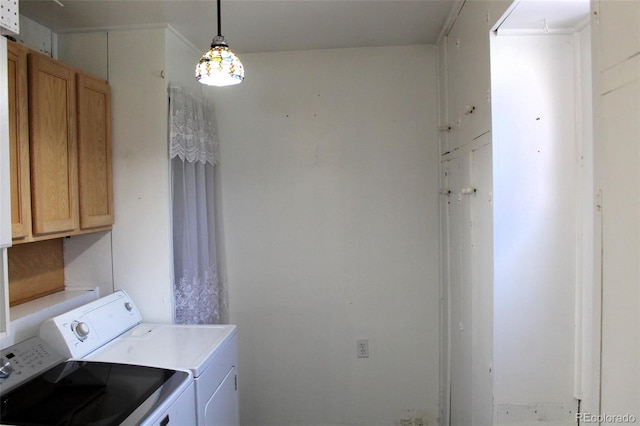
pixel 219 20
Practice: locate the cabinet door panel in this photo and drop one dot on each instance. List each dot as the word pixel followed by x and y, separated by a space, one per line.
pixel 19 141
pixel 468 86
pixel 94 152
pixel 618 175
pixel 53 146
pixel 619 32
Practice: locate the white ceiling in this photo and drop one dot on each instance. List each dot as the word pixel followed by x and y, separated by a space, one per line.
pixel 258 25
pixel 277 25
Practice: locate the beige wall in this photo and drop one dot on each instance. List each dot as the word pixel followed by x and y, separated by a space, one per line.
pixel 330 184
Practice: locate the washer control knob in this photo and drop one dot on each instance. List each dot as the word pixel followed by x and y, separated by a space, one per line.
pixel 5 368
pixel 80 329
pixel 128 306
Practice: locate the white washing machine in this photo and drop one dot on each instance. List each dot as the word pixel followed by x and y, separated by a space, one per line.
pixel 208 351
pixel 38 386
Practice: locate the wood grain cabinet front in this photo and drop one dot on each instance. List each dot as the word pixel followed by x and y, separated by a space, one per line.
pixel 60 144
pixel 53 147
pixel 94 152
pixel 19 142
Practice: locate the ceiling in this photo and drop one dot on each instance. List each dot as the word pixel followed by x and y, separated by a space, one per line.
pixel 257 25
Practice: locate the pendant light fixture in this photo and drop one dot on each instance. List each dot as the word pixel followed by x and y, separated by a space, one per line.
pixel 219 66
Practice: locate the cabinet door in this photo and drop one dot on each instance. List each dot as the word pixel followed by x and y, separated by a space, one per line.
pixel 469 78
pixel 94 152
pixel 618 177
pixel 19 141
pixel 619 32
pixel 52 111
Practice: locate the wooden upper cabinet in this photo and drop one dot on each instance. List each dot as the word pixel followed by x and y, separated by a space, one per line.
pixel 60 148
pixel 53 149
pixel 94 152
pixel 19 141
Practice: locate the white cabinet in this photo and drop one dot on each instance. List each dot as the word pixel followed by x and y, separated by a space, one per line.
pixel 468 212
pixel 618 172
pixel 619 31
pixel 466 167
pixel 617 183
pixel 10 17
pixel 468 79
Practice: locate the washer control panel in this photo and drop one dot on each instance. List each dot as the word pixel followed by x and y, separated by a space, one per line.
pixel 22 361
pixel 78 332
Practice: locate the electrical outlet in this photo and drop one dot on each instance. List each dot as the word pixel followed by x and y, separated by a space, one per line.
pixel 363 348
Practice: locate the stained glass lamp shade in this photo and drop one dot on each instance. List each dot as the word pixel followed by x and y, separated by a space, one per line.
pixel 219 66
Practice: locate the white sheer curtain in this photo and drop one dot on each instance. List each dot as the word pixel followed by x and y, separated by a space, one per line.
pixel 199 283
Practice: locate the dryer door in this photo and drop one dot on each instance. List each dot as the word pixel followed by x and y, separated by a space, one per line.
pixel 222 408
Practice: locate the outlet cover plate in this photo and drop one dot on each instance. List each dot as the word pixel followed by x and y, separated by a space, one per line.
pixel 362 346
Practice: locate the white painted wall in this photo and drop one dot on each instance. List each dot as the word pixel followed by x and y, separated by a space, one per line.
pixel 88 262
pixel 36 36
pixel 87 51
pixel 329 178
pixel 142 260
pixel 137 255
pixel 182 58
pixel 537 225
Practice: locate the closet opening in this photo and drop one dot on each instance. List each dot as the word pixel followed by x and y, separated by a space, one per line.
pixel 541 93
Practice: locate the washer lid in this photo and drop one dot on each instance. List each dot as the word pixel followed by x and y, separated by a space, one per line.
pixel 191 347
